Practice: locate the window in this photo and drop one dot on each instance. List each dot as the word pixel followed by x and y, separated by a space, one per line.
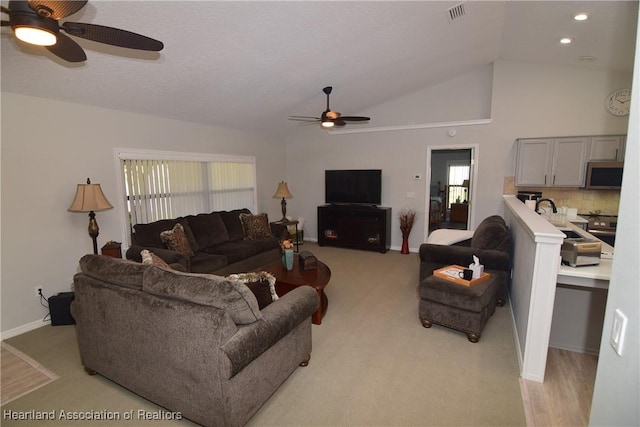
pixel 458 173
pixel 164 185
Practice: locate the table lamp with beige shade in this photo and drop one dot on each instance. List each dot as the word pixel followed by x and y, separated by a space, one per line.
pixel 90 198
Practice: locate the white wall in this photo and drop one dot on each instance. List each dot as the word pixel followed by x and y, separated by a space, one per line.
pixel 47 148
pixel 526 100
pixel 617 390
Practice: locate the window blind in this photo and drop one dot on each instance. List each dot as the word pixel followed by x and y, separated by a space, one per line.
pixel 458 173
pixel 164 188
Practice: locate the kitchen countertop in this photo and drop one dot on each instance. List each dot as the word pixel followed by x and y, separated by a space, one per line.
pixel 589 276
pixel 548 228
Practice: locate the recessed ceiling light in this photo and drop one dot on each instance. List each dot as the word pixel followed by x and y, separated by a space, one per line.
pixel 581 17
pixel 566 40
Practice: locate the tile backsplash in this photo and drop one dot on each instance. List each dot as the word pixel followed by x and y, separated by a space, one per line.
pixel 606 201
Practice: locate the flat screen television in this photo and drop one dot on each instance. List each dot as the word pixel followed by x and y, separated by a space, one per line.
pixel 353 186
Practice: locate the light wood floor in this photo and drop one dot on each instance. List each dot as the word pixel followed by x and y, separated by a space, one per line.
pixel 564 399
pixel 20 374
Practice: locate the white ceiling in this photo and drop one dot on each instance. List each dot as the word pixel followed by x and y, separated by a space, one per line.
pixel 249 65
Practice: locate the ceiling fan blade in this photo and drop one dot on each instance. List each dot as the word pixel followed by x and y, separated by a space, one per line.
pixel 4 9
pixel 4 23
pixel 56 9
pixel 67 49
pixel 339 122
pixel 307 123
pixel 305 118
pixel 112 36
pixel 355 118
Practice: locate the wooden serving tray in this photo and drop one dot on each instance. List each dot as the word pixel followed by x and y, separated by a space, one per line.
pixel 450 273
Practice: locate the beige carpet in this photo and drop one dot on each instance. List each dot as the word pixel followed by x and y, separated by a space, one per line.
pixel 20 374
pixel 372 364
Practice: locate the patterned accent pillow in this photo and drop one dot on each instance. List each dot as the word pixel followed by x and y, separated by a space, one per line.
pixel 176 240
pixel 153 259
pixel 255 226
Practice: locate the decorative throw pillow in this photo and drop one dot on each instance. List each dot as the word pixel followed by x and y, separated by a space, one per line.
pixel 255 226
pixel 176 240
pixel 261 284
pixel 153 259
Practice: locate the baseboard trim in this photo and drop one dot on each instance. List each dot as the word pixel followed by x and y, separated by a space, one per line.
pixel 575 349
pixel 23 329
pixel 391 248
pixel 515 337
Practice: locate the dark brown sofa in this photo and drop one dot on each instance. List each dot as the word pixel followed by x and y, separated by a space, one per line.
pixel 218 241
pixel 192 343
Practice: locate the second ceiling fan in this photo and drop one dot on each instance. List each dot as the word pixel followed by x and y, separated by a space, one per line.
pixel 330 118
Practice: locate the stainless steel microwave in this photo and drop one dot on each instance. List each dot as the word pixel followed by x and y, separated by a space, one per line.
pixel 604 175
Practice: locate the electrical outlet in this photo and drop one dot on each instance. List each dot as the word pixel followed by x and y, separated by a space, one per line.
pixel 38 290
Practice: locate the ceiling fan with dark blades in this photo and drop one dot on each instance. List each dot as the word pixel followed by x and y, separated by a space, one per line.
pixel 330 118
pixel 37 22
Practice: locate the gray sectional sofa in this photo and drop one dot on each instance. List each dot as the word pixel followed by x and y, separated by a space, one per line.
pixel 219 242
pixel 192 343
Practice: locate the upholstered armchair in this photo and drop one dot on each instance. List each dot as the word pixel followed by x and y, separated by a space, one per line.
pixel 490 242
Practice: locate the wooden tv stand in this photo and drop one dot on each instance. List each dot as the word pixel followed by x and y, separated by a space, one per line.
pixel 355 226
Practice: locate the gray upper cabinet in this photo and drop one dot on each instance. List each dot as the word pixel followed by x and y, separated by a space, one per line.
pixel 607 147
pixel 569 162
pixel 552 162
pixel 533 161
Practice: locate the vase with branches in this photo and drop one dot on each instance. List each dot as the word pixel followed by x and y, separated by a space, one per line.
pixel 407 217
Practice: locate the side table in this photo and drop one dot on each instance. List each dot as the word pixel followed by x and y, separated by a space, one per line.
pixel 459 212
pixel 112 249
pixel 287 224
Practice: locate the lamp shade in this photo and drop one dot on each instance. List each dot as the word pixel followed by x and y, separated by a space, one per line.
pixel 89 197
pixel 283 191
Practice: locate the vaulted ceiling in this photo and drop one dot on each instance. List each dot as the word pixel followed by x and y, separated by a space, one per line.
pixel 249 65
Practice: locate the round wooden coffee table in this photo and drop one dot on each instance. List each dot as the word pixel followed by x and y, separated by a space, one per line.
pixel 287 280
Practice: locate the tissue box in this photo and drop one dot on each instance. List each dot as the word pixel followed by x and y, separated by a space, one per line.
pixel 478 270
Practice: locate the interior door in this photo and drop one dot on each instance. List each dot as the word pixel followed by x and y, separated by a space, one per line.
pixel 440 189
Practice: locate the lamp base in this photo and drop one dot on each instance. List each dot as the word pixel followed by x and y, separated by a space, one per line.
pixel 283 205
pixel 94 231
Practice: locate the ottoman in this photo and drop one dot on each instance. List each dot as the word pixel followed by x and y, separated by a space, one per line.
pixel 464 308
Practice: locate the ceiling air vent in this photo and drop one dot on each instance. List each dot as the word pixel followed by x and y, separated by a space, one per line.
pixel 456 12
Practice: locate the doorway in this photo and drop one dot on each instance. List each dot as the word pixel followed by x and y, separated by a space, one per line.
pixel 451 177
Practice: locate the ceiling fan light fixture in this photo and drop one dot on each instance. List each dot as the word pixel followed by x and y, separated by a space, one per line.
pixel 327 124
pixel 34 29
pixel 36 36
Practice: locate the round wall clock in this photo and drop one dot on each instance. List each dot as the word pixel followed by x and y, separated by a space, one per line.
pixel 618 102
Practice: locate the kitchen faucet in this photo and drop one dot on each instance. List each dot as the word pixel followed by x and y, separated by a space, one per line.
pixel 553 205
